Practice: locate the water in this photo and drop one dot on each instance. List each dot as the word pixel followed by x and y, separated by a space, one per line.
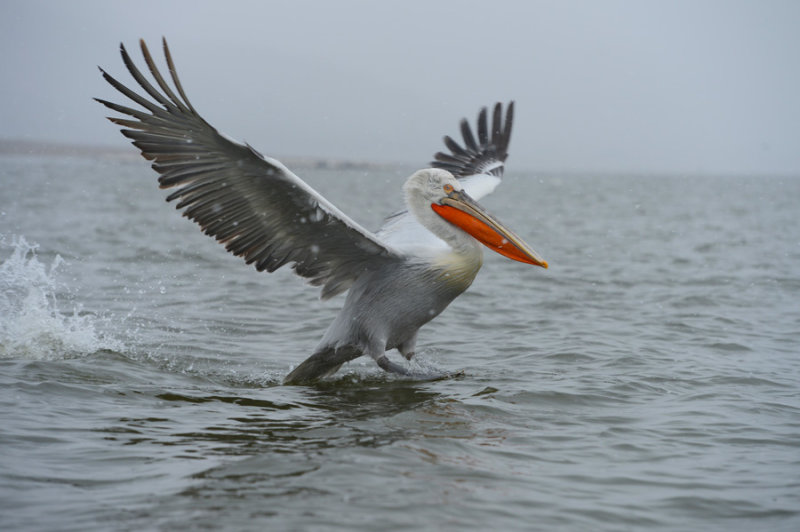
pixel 647 380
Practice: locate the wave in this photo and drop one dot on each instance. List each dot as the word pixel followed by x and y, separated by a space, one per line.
pixel 31 323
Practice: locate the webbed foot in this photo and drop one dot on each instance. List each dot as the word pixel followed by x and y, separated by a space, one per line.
pixel 417 374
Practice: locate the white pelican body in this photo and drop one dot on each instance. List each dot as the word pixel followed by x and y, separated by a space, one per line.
pixel 398 278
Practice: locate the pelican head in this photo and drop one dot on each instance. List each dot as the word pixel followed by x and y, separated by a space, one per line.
pixel 440 203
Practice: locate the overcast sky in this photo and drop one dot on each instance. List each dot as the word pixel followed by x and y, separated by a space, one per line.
pixel 624 86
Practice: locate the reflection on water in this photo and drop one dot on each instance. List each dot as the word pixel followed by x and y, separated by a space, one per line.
pixel 345 412
pixel 362 399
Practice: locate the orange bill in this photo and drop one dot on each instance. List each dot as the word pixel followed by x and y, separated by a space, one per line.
pixel 464 212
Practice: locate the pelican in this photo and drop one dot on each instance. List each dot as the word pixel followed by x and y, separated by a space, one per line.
pixel 397 279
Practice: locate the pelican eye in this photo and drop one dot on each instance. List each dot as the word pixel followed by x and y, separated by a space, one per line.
pixel 448 188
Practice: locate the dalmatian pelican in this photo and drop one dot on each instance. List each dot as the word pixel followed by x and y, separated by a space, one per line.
pixel 397 279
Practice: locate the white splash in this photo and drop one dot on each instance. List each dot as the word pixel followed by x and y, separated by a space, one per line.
pixel 31 325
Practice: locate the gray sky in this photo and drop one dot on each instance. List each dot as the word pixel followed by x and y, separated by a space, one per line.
pixel 615 86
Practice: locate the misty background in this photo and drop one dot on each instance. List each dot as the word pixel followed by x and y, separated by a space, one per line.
pixel 689 87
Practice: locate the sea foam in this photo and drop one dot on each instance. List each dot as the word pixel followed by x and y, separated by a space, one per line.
pixel 31 323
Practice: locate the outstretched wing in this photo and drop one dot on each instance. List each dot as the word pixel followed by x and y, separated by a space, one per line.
pixel 252 204
pixel 480 162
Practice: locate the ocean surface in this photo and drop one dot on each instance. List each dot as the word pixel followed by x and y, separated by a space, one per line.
pixel 649 380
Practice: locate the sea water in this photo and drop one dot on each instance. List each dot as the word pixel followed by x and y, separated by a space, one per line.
pixel 650 379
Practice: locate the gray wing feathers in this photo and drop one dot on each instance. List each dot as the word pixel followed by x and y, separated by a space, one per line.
pixel 485 155
pixel 253 205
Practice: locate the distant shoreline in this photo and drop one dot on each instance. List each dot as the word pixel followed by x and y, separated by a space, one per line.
pixel 59 149
pixel 128 153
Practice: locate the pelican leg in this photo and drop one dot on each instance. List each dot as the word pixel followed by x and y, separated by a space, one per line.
pixel 407 347
pixel 321 364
